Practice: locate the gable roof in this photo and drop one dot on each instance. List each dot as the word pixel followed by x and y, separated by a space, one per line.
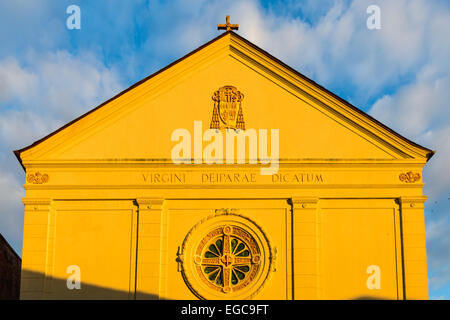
pixel 426 152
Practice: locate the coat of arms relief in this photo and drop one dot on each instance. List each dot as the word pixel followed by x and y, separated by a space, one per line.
pixel 227 112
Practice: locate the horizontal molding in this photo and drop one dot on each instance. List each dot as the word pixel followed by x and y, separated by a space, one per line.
pixel 150 203
pixel 151 162
pixel 409 200
pixel 229 186
pixel 37 201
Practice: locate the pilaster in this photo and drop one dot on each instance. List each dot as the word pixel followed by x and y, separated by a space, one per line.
pixel 414 247
pixel 305 248
pixel 36 238
pixel 148 267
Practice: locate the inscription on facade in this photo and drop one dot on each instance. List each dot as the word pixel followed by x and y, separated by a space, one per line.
pixel 228 177
pixel 297 178
pixel 172 178
pixel 164 177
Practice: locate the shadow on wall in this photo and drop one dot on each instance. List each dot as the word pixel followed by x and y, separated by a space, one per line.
pixel 35 285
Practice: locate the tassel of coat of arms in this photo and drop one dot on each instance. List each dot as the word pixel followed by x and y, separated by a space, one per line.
pixel 227 111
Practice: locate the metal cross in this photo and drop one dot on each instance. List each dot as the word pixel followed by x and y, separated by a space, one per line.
pixel 228 26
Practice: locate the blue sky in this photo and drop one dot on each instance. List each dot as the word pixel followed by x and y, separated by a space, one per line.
pixel 399 74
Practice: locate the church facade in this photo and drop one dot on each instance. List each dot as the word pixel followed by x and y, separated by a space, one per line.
pixel 226 175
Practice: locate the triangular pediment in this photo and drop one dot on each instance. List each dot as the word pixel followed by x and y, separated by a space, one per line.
pixel 137 124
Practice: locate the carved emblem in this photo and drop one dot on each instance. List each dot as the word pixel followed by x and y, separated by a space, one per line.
pixel 37 178
pixel 225 256
pixel 409 177
pixel 227 112
pixel 226 211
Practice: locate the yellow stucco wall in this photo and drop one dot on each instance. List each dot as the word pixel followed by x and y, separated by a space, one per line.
pixel 116 206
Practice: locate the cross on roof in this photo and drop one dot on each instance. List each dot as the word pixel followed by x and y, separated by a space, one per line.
pixel 228 26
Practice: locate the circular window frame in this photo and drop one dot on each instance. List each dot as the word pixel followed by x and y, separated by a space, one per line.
pixel 202 233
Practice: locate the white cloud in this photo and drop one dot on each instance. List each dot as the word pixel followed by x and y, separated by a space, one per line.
pixel 436 171
pixel 38 95
pixel 414 109
pixel 339 50
pixel 58 83
pixel 71 84
pixel 438 242
pixel 15 82
pixel 11 213
pixel 421 112
pixel 22 127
